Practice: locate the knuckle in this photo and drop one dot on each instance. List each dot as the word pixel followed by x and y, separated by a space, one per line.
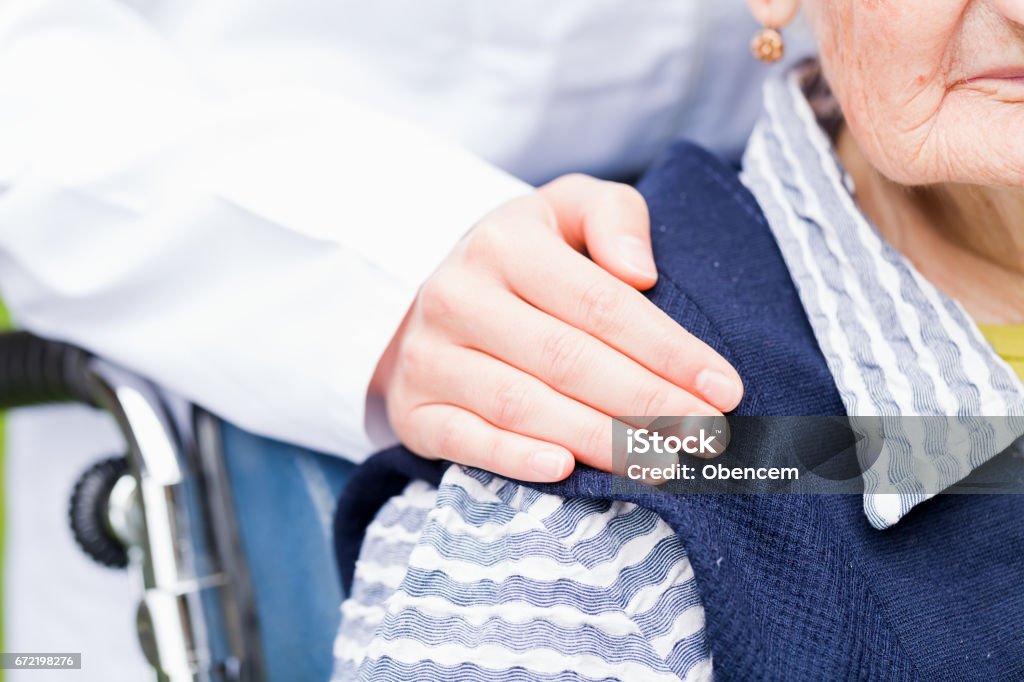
pixel 673 354
pixel 563 355
pixel 682 405
pixel 497 452
pixel 651 400
pixel 570 181
pixel 512 403
pixel 411 423
pixel 486 241
pixel 573 185
pixel 595 440
pixel 448 442
pixel 628 195
pixel 600 306
pixel 414 356
pixel 440 297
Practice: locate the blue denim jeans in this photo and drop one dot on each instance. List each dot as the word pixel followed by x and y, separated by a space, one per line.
pixel 285 498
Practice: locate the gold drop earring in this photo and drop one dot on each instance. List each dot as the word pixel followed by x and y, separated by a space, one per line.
pixel 767 45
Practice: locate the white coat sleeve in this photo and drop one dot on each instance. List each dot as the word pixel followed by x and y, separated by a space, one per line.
pixel 252 253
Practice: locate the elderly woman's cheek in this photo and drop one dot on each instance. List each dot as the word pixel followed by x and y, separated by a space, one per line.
pixel 896 116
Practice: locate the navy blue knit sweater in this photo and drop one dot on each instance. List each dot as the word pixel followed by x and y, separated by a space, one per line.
pixel 795 587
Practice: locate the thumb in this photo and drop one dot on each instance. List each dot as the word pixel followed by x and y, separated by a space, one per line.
pixel 607 220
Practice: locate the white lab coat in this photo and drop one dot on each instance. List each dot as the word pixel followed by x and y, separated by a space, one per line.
pixel 239 198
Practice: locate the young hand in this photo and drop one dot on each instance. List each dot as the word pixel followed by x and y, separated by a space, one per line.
pixel 519 349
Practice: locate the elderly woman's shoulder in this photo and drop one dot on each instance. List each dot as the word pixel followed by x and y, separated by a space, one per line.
pixel 712 243
pixel 691 192
pixel 722 277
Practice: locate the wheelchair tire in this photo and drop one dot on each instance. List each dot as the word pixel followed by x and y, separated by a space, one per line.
pixel 87 512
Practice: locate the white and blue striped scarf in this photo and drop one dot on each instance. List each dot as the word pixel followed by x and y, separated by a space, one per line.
pixel 896 346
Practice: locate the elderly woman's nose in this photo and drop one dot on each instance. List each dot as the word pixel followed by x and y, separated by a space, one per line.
pixel 1011 9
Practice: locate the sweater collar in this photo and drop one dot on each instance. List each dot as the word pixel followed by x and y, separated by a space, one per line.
pixel 930 398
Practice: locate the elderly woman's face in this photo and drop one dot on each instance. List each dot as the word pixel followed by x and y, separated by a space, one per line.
pixel 933 90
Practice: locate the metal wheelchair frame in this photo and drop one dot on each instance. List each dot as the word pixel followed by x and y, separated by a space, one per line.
pixel 172 511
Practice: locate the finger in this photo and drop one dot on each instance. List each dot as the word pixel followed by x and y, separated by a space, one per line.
pixel 518 402
pixel 610 221
pixel 443 431
pixel 572 289
pixel 575 363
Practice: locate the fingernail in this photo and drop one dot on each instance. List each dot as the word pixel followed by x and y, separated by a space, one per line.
pixel 636 254
pixel 724 392
pixel 548 464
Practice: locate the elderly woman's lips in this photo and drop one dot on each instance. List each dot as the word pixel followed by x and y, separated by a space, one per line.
pixel 1005 84
pixel 1015 73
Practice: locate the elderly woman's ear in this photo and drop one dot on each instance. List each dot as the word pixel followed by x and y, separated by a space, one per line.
pixel 774 13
